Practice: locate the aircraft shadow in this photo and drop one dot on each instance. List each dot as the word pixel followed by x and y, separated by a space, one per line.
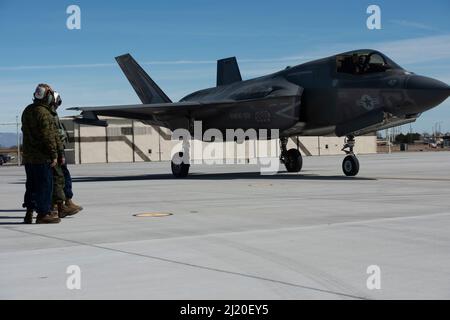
pixel 11 223
pixel 19 220
pixel 222 176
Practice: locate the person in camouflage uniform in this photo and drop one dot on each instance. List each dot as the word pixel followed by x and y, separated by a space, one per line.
pixel 61 199
pixel 40 154
pixel 68 191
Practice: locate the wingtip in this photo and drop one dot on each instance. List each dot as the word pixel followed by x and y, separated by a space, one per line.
pixel 123 56
pixel 226 59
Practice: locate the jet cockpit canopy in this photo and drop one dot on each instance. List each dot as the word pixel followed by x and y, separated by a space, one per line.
pixel 362 62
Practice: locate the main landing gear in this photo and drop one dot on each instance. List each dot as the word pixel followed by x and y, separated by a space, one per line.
pixel 350 165
pixel 291 158
pixel 180 162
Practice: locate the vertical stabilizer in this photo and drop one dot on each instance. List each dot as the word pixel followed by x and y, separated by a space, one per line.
pixel 146 89
pixel 228 71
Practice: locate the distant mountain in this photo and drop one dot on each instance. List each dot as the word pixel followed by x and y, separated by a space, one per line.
pixel 8 139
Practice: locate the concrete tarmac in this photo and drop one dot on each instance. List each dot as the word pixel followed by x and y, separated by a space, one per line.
pixel 234 234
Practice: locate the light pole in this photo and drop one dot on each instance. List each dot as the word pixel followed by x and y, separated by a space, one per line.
pixel 19 160
pixel 439 123
pixel 388 140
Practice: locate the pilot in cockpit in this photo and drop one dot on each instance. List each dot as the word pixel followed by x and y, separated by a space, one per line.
pixel 362 64
pixel 359 63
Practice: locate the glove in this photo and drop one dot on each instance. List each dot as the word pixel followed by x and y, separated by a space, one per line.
pixel 61 160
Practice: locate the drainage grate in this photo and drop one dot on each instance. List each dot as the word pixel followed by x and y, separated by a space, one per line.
pixel 152 214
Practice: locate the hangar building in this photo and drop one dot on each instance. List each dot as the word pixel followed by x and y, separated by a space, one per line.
pixel 127 140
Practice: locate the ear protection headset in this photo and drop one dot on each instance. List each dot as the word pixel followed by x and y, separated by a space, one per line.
pixel 44 93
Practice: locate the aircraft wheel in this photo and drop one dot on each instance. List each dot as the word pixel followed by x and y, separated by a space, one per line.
pixel 350 165
pixel 293 160
pixel 179 170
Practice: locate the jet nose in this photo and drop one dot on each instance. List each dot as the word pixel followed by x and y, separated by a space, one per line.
pixel 425 83
pixel 427 92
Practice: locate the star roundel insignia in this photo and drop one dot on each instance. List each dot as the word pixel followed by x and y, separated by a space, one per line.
pixel 367 102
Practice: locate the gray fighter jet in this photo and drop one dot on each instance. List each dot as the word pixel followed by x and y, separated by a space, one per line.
pixel 346 95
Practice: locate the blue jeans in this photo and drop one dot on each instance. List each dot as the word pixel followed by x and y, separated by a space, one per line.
pixel 67 182
pixel 39 187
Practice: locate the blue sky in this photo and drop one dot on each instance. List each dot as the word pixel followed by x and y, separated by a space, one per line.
pixel 178 42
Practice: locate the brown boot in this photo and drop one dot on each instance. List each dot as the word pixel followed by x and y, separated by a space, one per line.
pixel 47 218
pixel 59 213
pixel 28 217
pixel 65 211
pixel 70 204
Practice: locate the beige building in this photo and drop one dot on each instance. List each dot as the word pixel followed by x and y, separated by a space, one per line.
pixel 132 141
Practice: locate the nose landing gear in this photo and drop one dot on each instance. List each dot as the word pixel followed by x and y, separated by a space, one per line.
pixel 292 158
pixel 180 162
pixel 350 165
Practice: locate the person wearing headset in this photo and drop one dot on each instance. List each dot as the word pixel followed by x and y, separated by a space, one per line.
pixel 62 181
pixel 40 155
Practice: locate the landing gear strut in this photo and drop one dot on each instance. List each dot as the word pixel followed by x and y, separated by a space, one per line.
pixel 291 158
pixel 180 162
pixel 350 165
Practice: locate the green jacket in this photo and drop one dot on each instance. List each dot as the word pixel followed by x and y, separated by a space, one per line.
pixel 62 133
pixel 41 142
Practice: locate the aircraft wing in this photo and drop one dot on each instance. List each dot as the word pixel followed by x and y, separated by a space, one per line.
pixel 141 111
pixel 155 113
pixel 165 114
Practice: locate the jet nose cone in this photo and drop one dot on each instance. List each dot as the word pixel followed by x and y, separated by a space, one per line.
pixel 425 83
pixel 427 92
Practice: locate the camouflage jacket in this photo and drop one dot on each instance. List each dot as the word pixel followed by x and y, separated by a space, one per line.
pixel 62 133
pixel 41 142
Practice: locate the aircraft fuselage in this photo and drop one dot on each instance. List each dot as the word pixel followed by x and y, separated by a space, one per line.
pixel 332 99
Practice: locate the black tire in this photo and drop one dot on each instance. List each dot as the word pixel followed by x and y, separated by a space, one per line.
pixel 350 166
pixel 179 170
pixel 293 160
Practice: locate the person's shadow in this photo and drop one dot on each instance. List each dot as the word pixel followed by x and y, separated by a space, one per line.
pixel 7 219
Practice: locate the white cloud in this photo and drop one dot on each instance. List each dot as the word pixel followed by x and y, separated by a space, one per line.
pixel 413 24
pixel 156 62
pixel 406 51
pixel 418 50
pixel 430 54
pixel 56 66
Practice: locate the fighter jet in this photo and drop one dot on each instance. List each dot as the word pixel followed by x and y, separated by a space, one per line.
pixel 345 95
